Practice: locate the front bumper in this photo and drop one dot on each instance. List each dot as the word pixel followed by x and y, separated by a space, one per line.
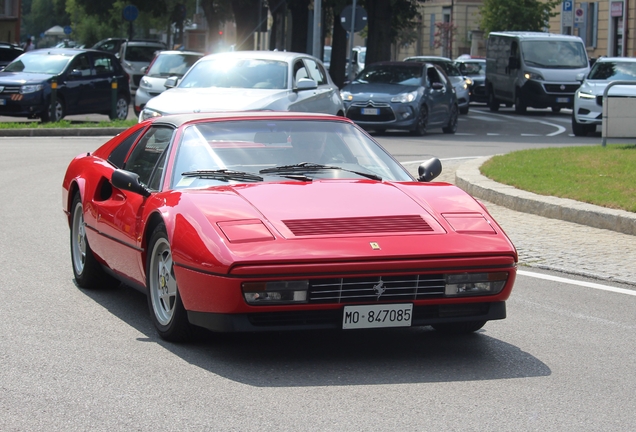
pixel 538 94
pixel 589 111
pixel 19 105
pixel 383 115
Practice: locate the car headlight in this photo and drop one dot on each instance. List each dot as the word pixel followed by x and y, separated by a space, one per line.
pixel 31 88
pixel 585 95
pixel 145 83
pixel 148 113
pixel 346 96
pixel 468 81
pixel 275 292
pixel 532 76
pixel 405 97
pixel 468 284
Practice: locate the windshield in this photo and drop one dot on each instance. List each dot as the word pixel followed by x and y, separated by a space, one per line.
pixel 302 150
pixel 449 67
pixel 408 75
pixel 614 71
pixel 237 73
pixel 167 65
pixel 472 68
pixel 554 54
pixel 44 63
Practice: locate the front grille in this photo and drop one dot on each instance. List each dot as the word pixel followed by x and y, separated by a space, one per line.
pixel 10 90
pixel 361 225
pixel 386 113
pixel 376 288
pixel 556 88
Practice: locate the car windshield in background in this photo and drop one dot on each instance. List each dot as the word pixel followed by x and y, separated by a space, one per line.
pixel 449 68
pixel 623 71
pixel 275 150
pixel 140 53
pixel 554 54
pixel 38 63
pixel 390 74
pixel 237 73
pixel 172 65
pixel 472 68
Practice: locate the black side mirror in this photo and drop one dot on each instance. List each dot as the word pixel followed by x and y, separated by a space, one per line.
pixel 129 181
pixel 437 86
pixel 513 63
pixel 429 170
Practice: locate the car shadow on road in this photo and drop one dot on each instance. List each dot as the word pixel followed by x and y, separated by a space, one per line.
pixel 326 358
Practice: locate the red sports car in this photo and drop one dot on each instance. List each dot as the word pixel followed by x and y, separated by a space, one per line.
pixel 273 221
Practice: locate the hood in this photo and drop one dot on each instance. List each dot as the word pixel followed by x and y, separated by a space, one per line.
pixel 362 91
pixel 181 101
pixel 558 75
pixel 598 87
pixel 22 78
pixel 333 220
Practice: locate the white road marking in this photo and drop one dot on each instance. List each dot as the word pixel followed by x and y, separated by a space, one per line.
pixel 577 282
pixel 560 129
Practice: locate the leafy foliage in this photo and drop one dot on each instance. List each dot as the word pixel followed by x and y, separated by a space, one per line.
pixel 517 15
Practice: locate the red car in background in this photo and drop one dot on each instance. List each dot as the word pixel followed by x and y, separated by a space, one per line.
pixel 259 221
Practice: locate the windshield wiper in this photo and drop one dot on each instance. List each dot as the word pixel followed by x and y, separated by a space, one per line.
pixel 309 166
pixel 223 175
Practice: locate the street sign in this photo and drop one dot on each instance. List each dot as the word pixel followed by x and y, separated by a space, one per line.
pixel 346 17
pixel 567 15
pixel 68 30
pixel 130 13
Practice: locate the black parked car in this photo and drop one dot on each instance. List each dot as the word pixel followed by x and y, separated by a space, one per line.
pixel 8 53
pixel 84 84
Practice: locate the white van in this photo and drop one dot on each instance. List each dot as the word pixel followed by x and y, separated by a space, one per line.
pixel 533 69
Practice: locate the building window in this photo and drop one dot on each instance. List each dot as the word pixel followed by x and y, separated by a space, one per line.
pixel 588 25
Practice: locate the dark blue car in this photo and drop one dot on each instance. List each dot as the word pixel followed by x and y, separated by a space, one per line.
pixel 84 80
pixel 410 96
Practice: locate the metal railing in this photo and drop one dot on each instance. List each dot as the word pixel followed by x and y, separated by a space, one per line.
pixel 619 114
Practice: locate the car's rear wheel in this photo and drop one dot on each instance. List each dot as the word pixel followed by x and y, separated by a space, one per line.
pixel 451 126
pixel 493 103
pixel 166 309
pixel 54 114
pixel 422 121
pixel 87 271
pixel 459 327
pixel 579 129
pixel 520 105
pixel 121 109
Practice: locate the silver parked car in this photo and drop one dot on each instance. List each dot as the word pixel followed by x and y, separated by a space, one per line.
pixel 250 80
pixel 166 64
pixel 460 84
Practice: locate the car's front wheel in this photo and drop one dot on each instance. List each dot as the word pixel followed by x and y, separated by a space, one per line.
pixel 493 103
pixel 520 105
pixel 422 121
pixel 459 327
pixel 55 113
pixel 451 126
pixel 166 309
pixel 121 109
pixel 87 271
pixel 579 129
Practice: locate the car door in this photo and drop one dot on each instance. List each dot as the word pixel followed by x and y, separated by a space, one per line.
pixel 326 93
pixel 105 70
pixel 119 216
pixel 303 100
pixel 79 96
pixel 437 97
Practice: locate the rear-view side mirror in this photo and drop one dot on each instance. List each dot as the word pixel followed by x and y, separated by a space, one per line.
pixel 437 86
pixel 429 170
pixel 171 82
pixel 129 181
pixel 513 63
pixel 306 84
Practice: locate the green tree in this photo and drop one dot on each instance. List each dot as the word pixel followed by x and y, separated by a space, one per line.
pixel 517 15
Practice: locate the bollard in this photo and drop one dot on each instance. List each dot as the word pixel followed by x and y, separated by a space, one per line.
pixel 53 112
pixel 113 107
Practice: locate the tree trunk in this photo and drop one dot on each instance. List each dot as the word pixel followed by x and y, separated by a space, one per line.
pixel 278 9
pixel 339 51
pixel 246 18
pixel 213 43
pixel 379 39
pixel 300 23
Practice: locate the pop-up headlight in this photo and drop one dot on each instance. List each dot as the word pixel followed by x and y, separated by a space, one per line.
pixel 469 284
pixel 275 292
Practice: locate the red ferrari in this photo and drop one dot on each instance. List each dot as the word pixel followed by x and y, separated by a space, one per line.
pixel 281 221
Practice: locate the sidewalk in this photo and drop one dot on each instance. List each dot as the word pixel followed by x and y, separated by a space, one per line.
pixel 557 234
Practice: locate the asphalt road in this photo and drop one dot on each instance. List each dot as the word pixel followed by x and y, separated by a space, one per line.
pixel 90 360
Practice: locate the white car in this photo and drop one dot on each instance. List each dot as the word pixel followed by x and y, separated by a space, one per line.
pixel 588 99
pixel 166 64
pixel 459 81
pixel 250 81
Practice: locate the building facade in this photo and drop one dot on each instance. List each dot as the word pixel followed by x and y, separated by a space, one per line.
pixel 10 17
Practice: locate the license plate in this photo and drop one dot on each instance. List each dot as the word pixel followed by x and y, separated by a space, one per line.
pixel 563 100
pixel 3 101
pixel 370 111
pixel 374 316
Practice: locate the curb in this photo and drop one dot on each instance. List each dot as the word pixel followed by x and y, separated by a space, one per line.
pixel 469 178
pixel 47 132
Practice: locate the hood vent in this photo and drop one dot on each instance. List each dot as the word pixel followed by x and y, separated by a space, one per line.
pixel 358 225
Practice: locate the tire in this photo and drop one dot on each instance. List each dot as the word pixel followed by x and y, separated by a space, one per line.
pixel 556 109
pixel 121 110
pixel 451 126
pixel 464 110
pixel 459 327
pixel 166 308
pixel 422 120
pixel 520 105
pixel 87 271
pixel 493 103
pixel 54 115
pixel 581 130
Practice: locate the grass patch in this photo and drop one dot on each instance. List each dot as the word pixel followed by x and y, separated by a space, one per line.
pixel 67 124
pixel 604 176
